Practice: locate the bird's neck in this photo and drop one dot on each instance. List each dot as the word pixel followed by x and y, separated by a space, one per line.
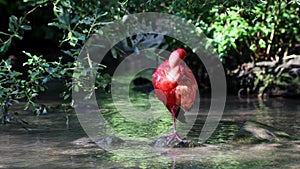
pixel 175 60
pixel 174 73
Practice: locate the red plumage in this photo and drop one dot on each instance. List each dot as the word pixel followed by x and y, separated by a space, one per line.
pixel 175 85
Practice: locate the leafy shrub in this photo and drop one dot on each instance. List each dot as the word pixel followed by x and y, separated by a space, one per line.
pixel 266 30
pixel 78 21
pixel 14 89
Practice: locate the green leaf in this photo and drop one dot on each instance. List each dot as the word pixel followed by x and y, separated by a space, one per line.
pixel 66 96
pixel 58 25
pixel 5 46
pixel 64 18
pixel 18 36
pixel 15 92
pixel 114 53
pixel 26 106
pixel 41 88
pixel 76 88
pixel 34 95
pixel 26 27
pixel 13 23
pixel 262 43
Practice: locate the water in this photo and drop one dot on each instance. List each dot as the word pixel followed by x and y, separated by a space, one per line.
pixel 57 140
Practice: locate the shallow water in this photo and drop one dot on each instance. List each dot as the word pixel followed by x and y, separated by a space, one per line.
pixel 54 142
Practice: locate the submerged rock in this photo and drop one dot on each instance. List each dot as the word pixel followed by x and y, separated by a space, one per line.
pixel 255 132
pixel 110 142
pixel 162 143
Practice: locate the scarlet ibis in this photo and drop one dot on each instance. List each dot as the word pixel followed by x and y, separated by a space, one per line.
pixel 176 86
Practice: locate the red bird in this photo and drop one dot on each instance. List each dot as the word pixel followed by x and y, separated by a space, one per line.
pixel 175 85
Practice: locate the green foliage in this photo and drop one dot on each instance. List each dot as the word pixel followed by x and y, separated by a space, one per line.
pixel 241 31
pixel 16 29
pixel 14 89
pixel 39 73
pixel 78 21
pixel 10 85
pixel 264 31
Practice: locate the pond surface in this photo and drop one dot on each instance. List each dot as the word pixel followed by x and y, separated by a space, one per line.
pixel 57 140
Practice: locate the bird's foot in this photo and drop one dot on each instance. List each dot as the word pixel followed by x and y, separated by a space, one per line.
pixel 172 137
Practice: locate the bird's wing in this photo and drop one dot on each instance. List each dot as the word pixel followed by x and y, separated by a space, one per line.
pixel 186 90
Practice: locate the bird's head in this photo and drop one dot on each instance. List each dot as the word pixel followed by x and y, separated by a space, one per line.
pixel 176 57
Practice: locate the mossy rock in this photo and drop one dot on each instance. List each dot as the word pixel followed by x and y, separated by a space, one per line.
pixel 253 132
pixel 110 142
pixel 162 143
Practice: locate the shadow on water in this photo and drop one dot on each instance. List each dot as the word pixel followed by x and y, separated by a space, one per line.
pixel 55 142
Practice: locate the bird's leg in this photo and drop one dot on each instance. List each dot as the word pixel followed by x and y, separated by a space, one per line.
pixel 174 135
